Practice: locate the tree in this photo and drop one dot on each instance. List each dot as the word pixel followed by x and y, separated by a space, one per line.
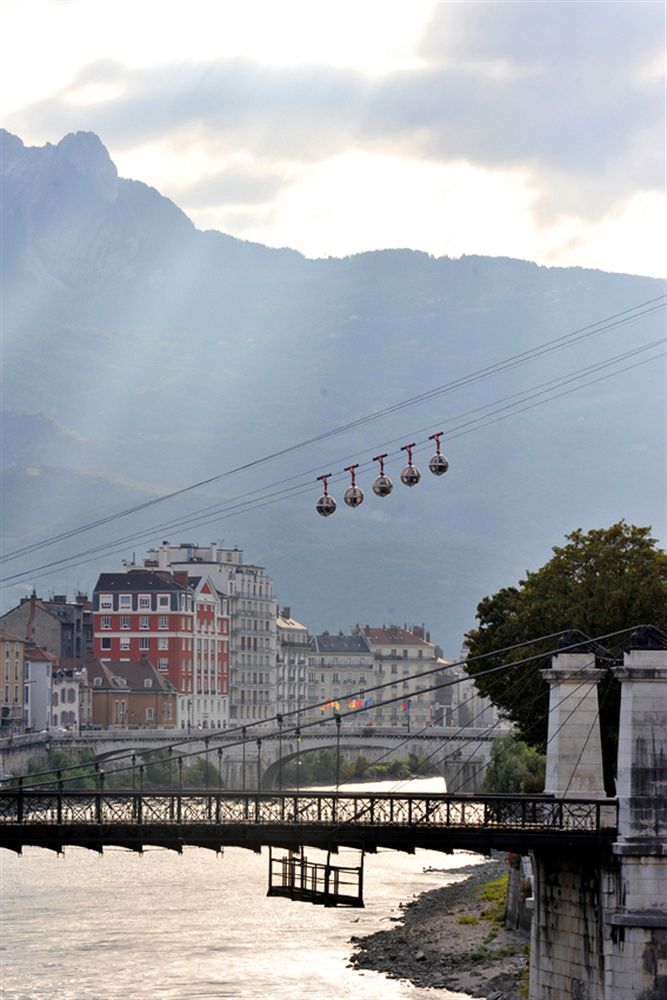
pixel 601 581
pixel 514 767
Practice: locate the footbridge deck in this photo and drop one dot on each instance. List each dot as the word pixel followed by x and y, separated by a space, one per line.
pixel 134 820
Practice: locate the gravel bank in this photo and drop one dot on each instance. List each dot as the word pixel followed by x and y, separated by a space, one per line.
pixel 432 947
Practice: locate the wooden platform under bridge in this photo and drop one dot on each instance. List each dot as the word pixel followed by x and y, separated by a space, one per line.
pixel 293 876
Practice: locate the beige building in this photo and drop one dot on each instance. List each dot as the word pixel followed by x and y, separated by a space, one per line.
pixel 341 670
pixel 131 695
pixel 12 654
pixel 401 656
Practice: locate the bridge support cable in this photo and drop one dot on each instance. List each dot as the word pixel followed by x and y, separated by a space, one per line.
pixel 223 734
pixel 542 715
pixel 556 732
pixel 461 730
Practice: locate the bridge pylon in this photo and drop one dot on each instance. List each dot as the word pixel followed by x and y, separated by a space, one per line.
pixel 599 929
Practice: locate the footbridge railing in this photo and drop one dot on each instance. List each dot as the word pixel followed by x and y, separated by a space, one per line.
pixel 406 821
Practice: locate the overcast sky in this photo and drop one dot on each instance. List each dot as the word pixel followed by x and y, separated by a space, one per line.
pixel 527 129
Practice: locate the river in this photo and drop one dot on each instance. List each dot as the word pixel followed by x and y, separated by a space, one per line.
pixel 139 927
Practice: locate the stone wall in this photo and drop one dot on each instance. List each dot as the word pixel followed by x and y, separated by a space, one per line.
pixel 568 951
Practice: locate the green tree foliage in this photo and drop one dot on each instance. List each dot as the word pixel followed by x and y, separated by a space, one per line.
pixel 515 767
pixel 601 581
pixel 75 770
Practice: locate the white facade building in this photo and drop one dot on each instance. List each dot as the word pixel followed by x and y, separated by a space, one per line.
pixel 37 684
pixel 294 691
pixel 252 616
pixel 66 698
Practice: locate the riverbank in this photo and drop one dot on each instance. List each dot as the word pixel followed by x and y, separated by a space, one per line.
pixel 447 939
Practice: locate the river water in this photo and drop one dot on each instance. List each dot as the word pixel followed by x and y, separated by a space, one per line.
pixel 138 927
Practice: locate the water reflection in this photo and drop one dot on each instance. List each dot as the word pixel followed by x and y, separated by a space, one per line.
pixel 118 926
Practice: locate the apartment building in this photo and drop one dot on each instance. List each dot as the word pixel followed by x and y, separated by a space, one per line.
pixel 253 681
pixel 401 656
pixel 39 666
pixel 130 694
pixel 12 651
pixel 294 690
pixel 177 622
pixel 62 627
pixel 342 668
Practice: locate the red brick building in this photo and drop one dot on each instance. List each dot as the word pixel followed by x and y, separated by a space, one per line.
pixel 180 624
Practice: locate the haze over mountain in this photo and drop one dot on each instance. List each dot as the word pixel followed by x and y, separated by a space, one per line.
pixel 142 354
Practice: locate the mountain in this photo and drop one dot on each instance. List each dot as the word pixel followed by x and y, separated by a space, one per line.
pixel 141 355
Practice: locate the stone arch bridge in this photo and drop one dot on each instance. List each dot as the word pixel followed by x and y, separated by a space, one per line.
pixel 458 756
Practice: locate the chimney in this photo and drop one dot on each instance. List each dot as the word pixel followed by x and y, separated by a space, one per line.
pixel 60 598
pixel 30 624
pixel 286 612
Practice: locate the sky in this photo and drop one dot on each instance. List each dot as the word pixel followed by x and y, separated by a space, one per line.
pixel 524 129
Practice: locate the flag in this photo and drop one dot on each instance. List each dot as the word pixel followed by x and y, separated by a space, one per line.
pixel 369 703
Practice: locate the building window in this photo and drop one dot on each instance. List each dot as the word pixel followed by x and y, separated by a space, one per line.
pixel 144 642
pixel 144 601
pixel 163 601
pixel 143 621
pixel 106 643
pixel 125 642
pixel 148 682
pixel 163 642
pixel 163 621
pixel 105 622
pixel 106 602
pixel 124 622
pixel 163 664
pixel 125 602
pixel 149 715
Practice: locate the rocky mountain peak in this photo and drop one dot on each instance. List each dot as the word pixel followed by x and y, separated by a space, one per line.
pixel 85 152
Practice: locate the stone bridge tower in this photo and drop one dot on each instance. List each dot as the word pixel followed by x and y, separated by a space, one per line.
pixel 600 922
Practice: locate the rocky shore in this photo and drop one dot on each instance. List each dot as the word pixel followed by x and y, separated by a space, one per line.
pixel 448 939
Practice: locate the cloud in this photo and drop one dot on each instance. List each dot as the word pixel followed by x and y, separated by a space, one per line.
pixel 229 187
pixel 559 89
